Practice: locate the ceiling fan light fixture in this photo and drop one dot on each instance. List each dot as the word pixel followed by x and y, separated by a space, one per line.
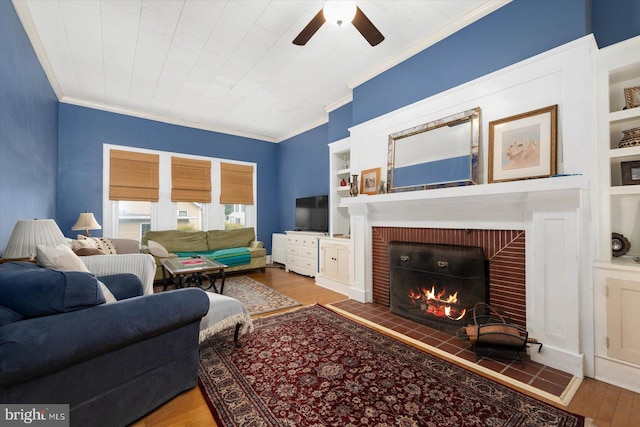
pixel 339 12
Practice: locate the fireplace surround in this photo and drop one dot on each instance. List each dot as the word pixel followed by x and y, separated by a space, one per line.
pixel 538 219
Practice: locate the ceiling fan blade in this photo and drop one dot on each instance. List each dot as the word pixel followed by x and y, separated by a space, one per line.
pixel 311 28
pixel 366 28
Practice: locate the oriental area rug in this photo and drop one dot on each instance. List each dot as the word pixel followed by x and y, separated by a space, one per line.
pixel 256 297
pixel 313 367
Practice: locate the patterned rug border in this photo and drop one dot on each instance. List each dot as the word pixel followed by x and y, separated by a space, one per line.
pixel 515 386
pixel 564 399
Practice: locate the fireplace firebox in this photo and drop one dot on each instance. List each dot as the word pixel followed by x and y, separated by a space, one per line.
pixel 436 284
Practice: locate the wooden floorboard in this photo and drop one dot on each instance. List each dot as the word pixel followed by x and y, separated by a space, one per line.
pixel 609 405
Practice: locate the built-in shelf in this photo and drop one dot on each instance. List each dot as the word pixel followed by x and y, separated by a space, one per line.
pixel 617 154
pixel 622 115
pixel 625 190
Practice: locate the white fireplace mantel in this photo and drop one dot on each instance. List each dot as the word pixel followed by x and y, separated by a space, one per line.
pixel 497 205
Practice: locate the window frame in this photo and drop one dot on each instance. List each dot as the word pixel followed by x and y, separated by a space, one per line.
pixel 164 213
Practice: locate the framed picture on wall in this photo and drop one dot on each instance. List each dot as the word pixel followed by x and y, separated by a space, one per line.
pixel 523 146
pixel 369 181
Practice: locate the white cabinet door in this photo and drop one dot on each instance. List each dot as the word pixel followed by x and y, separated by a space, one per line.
pixel 623 318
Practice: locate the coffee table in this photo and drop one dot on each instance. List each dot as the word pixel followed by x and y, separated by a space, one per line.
pixel 182 271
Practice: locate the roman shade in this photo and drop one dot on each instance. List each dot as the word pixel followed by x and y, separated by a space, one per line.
pixel 190 180
pixel 133 176
pixel 236 184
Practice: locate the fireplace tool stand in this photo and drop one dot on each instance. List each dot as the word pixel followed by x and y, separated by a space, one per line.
pixel 492 334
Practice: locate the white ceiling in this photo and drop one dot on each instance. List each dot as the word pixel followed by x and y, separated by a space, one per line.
pixel 227 66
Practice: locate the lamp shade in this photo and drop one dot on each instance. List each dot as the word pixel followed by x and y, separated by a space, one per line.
pixel 29 233
pixel 86 221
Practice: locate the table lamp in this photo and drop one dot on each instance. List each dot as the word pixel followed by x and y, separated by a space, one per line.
pixel 86 221
pixel 28 233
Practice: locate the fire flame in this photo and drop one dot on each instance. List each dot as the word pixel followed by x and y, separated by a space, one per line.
pixel 438 303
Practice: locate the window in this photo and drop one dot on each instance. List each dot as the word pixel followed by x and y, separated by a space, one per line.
pixel 157 190
pixel 134 219
pixel 189 216
pixel 235 216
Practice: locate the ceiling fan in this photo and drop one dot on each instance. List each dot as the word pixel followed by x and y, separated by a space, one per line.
pixel 338 12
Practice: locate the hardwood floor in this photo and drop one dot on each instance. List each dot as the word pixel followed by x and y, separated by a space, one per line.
pixel 608 405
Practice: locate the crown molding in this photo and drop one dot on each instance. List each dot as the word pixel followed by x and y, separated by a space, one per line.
pixel 339 103
pixel 421 45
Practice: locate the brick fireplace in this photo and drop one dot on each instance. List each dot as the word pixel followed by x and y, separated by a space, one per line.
pixel 505 250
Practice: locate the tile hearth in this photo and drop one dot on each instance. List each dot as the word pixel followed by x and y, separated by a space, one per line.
pixel 533 374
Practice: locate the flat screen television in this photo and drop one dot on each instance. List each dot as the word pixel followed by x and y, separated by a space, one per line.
pixel 312 214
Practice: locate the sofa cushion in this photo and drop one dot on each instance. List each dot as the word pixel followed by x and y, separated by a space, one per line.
pixel 34 292
pixel 59 257
pixel 9 316
pixel 178 241
pixel 157 250
pixel 224 239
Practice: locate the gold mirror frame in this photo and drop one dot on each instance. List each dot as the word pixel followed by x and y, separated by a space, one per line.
pixel 438 154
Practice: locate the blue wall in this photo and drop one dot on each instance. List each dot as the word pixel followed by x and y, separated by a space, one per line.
pixel 304 171
pixel 83 131
pixel 519 30
pixel 340 120
pixel 615 20
pixel 28 130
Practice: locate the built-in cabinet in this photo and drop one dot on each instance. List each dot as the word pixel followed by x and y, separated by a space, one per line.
pixel 302 252
pixel 617 279
pixel 339 185
pixel 279 248
pixel 334 264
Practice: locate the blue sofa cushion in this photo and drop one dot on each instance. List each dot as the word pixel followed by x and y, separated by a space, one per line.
pixel 34 292
pixel 8 316
pixel 123 285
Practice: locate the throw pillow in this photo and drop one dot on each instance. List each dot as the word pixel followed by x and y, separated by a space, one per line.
pixel 103 243
pixel 88 251
pixel 83 243
pixel 59 257
pixel 156 249
pixel 108 296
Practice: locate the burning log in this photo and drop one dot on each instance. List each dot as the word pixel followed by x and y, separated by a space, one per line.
pixel 436 304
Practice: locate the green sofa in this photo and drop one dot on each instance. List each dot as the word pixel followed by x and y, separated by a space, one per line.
pixel 208 242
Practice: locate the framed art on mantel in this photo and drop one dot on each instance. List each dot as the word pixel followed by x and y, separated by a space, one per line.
pixel 370 180
pixel 523 146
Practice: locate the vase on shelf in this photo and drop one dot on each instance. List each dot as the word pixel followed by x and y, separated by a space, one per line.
pixel 343 183
pixel 345 163
pixel 631 138
pixel 353 191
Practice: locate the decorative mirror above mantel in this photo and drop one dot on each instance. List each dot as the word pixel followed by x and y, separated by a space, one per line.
pixel 441 153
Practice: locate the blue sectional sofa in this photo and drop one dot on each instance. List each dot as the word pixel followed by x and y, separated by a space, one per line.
pixel 111 362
